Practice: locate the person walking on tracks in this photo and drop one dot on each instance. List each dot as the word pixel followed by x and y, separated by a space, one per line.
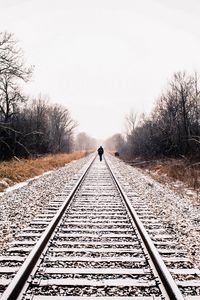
pixel 100 152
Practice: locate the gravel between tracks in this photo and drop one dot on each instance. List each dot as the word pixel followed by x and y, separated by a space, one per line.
pixel 20 206
pixel 179 213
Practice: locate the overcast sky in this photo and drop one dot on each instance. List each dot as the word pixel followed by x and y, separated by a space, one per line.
pixel 104 58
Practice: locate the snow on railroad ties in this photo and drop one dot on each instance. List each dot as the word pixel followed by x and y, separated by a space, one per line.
pixel 179 212
pixel 23 201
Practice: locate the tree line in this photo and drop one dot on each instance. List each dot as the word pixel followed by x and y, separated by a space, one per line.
pixel 28 126
pixel 173 127
pixel 84 142
pixel 34 126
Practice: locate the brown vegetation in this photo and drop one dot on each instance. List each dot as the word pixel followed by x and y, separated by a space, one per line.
pixel 17 171
pixel 179 169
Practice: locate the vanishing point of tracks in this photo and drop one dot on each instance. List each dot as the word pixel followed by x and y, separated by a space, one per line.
pixel 90 243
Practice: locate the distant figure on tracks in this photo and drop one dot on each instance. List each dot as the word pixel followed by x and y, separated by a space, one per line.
pixel 100 152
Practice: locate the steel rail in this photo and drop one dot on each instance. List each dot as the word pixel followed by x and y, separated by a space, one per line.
pixel 13 290
pixel 168 282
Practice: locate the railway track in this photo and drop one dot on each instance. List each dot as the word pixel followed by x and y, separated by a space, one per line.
pixel 95 241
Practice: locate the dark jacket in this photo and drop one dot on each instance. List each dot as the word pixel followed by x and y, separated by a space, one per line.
pixel 100 151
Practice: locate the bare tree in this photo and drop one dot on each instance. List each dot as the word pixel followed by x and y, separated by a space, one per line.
pixel 84 142
pixel 43 128
pixel 115 142
pixel 11 58
pixel 28 128
pixel 173 127
pixel 10 97
pixel 130 122
pixel 61 129
pixel 12 70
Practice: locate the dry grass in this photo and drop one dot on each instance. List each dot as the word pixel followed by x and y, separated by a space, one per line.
pixel 178 169
pixel 18 171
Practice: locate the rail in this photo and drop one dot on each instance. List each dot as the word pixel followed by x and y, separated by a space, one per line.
pixel 15 287
pixel 170 286
pixel 170 290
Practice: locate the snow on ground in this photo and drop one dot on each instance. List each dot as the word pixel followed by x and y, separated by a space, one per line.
pixel 179 212
pixel 22 202
pixel 21 184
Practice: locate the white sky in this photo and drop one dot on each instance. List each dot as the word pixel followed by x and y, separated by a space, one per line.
pixel 104 58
